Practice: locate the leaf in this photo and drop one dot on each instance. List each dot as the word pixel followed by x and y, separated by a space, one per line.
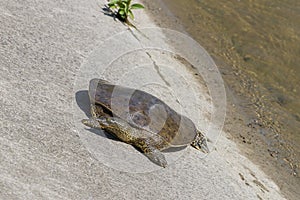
pixel 112 6
pixel 125 7
pixel 127 1
pixel 122 4
pixel 121 12
pixel 113 1
pixel 137 6
pixel 130 14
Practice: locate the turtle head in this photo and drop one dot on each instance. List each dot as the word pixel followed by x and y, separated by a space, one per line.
pixel 200 143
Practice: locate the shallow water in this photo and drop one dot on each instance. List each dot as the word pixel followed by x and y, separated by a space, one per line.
pixel 262 36
pixel 256 45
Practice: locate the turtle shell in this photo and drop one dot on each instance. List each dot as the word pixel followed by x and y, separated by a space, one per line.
pixel 142 110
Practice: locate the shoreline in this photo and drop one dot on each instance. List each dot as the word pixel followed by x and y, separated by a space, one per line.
pixel 240 126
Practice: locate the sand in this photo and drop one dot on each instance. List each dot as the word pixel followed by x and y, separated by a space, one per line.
pixel 49 51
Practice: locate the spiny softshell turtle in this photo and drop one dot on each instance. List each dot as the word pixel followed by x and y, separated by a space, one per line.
pixel 140 119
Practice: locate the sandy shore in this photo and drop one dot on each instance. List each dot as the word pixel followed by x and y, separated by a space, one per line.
pixel 49 51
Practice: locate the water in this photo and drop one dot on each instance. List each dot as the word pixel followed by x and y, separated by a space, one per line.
pixel 256 44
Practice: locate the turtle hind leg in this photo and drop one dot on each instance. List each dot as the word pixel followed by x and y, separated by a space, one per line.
pixel 200 143
pixel 152 153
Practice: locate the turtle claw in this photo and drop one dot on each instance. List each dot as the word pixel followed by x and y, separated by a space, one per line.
pixel 157 157
pixel 200 143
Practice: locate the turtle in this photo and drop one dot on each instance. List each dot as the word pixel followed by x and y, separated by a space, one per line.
pixel 140 119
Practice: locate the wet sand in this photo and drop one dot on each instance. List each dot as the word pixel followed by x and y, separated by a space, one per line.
pixel 255 47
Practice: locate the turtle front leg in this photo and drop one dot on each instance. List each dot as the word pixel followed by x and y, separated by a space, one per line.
pixel 144 140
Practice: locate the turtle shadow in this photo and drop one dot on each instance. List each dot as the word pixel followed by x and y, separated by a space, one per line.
pixel 173 149
pixel 104 134
pixel 83 102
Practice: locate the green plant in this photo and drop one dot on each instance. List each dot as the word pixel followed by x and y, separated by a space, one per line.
pixel 123 9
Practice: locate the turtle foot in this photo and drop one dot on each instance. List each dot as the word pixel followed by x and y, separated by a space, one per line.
pixel 200 143
pixel 91 122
